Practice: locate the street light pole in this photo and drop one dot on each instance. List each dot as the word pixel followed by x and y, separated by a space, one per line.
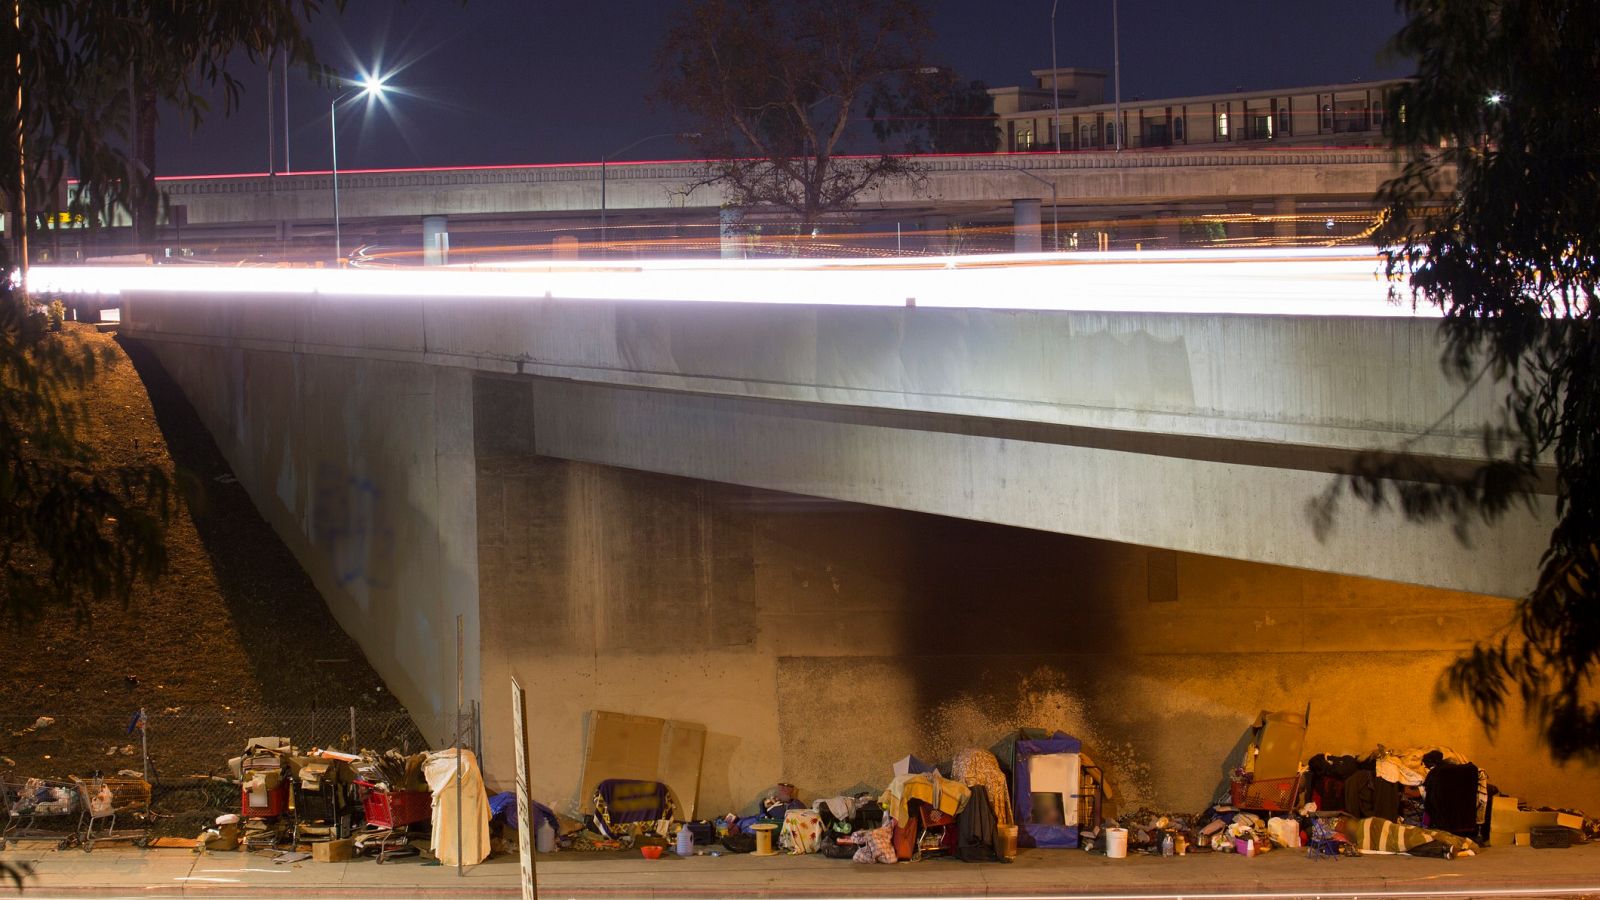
pixel 616 153
pixel 1055 74
pixel 20 226
pixel 369 87
pixel 333 133
pixel 1116 70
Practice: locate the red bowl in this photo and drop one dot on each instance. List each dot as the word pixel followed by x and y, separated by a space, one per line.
pixel 651 852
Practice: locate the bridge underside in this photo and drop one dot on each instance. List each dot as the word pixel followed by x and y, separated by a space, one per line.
pixel 820 633
pixel 819 638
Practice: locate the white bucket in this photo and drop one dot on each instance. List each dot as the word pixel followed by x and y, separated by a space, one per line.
pixel 1117 843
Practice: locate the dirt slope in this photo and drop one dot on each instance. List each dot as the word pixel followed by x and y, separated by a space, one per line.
pixel 234 630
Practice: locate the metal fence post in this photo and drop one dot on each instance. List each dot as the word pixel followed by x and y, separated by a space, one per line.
pixel 353 743
pixel 144 742
pixel 459 691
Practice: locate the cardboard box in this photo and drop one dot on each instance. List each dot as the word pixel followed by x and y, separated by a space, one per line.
pixel 334 851
pixel 1506 820
pixel 1275 750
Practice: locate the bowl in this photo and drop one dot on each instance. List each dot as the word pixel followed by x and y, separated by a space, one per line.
pixel 651 852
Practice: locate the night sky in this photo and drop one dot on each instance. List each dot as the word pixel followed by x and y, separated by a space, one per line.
pixel 499 82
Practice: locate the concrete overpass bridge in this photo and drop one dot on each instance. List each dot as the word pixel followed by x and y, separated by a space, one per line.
pixel 392 204
pixel 841 512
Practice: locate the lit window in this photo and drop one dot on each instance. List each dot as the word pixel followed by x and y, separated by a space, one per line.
pixel 1025 139
pixel 1222 124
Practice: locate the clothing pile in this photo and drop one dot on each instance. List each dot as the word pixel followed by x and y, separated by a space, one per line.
pixel 1435 788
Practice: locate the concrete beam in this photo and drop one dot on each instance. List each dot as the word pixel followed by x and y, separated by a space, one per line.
pixel 1080 178
pixel 1200 433
pixel 1147 493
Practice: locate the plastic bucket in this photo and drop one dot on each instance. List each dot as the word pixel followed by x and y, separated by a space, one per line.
pixel 1117 843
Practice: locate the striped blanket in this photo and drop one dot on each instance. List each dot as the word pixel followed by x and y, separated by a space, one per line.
pixel 1375 835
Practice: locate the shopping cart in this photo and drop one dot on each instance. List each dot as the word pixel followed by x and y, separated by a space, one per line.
pixel 106 802
pixel 39 809
pixel 390 815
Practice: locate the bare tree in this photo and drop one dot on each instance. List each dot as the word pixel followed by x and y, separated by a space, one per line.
pixel 773 87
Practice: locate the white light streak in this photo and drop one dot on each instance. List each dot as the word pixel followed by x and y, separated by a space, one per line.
pixel 1299 282
pixel 1320 893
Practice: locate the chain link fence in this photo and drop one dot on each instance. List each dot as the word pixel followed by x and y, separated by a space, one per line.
pixel 184 752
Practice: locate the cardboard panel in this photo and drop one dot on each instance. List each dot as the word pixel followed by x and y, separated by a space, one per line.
pixel 683 747
pixel 1280 738
pixel 618 745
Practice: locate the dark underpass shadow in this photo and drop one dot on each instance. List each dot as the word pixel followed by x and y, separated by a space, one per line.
pixel 298 654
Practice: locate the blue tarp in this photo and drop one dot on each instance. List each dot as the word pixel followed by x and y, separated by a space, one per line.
pixel 1034 834
pixel 506 802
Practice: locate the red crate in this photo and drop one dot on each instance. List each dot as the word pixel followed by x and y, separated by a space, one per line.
pixel 1267 795
pixel 277 802
pixel 392 809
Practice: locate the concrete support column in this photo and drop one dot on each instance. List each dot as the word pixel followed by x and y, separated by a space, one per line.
pixel 1284 227
pixel 732 233
pixel 1169 230
pixel 435 240
pixel 456 480
pixel 1025 227
pixel 935 234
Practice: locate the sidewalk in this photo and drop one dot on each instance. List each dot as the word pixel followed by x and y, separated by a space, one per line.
pixel 125 871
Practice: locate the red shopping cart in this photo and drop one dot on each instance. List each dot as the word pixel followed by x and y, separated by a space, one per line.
pixel 390 815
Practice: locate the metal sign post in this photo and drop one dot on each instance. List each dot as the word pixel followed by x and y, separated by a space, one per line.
pixel 525 832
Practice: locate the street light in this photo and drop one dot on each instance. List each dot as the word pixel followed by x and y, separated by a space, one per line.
pixel 689 135
pixel 369 86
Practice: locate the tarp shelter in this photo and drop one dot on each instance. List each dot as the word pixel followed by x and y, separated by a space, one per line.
pixel 1046 780
pixel 441 769
pixel 910 765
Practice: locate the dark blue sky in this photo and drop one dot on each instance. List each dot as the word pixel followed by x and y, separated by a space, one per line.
pixel 525 81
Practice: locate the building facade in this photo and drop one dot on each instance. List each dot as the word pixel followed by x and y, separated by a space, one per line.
pixel 1336 114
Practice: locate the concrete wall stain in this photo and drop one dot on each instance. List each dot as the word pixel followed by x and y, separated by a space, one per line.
pixel 827 639
pixel 348 523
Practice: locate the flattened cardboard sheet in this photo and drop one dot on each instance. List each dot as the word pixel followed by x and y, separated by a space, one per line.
pixel 618 745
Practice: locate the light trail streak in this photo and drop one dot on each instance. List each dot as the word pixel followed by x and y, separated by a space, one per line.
pixel 1300 282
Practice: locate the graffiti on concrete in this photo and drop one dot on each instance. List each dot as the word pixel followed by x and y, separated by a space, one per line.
pixel 349 525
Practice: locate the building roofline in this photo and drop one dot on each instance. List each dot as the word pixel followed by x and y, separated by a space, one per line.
pixel 1077 70
pixel 1199 98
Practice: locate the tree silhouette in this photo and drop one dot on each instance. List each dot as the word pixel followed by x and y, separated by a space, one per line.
pixel 772 87
pixel 1504 103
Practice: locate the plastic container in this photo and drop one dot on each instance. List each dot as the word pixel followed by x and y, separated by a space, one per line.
pixel 651 852
pixel 1006 846
pixel 544 837
pixel 685 842
pixel 1117 843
